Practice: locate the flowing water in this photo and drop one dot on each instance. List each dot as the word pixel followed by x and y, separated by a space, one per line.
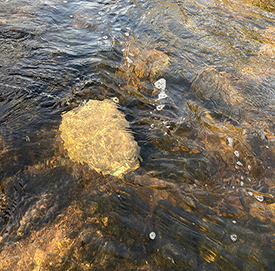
pixel 203 197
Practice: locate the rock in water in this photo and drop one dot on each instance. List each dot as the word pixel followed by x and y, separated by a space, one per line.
pixel 98 134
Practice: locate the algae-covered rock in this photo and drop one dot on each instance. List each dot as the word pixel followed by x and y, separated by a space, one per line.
pixel 98 134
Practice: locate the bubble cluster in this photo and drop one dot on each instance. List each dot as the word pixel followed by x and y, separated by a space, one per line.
pixel 162 95
pixel 160 84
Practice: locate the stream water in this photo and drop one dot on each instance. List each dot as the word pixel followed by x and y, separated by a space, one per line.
pixel 195 80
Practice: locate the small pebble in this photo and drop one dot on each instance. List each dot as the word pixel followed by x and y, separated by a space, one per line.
pixel 234 221
pixel 152 235
pixel 237 153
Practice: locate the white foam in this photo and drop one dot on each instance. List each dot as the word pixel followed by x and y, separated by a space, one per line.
pixel 162 95
pixel 160 84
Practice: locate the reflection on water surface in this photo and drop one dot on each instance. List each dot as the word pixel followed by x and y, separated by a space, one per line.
pixel 195 80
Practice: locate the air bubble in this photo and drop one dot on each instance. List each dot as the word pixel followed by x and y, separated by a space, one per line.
pixel 259 198
pixel 162 95
pixel 171 259
pixel 115 99
pixel 105 37
pixel 249 167
pixel 129 60
pixel 160 84
pixel 160 107
pixel 233 237
pixel 239 163
pixel 230 142
pixel 152 235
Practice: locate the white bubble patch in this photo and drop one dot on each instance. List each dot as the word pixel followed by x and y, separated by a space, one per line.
pixel 162 95
pixel 160 84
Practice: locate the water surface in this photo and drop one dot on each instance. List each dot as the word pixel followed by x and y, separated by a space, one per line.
pixel 203 197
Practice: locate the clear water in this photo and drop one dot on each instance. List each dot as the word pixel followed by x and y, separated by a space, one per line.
pixel 203 197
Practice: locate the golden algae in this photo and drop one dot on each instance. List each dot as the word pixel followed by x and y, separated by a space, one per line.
pixel 98 134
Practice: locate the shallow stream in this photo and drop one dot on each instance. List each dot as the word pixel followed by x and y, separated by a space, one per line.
pixel 194 79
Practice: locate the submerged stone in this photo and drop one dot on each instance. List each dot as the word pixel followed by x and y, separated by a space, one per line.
pixel 98 134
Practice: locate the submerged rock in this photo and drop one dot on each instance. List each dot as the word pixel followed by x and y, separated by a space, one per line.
pixel 141 66
pixel 97 134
